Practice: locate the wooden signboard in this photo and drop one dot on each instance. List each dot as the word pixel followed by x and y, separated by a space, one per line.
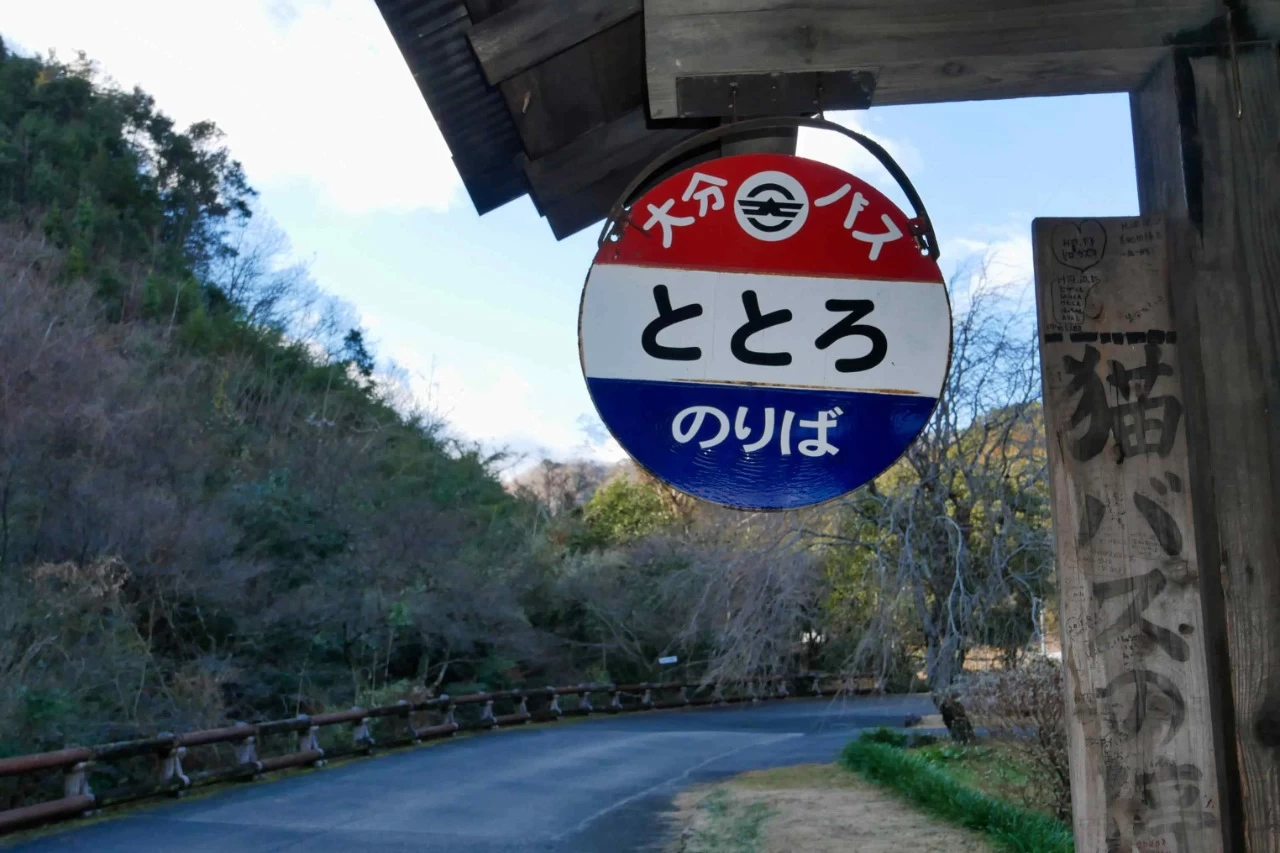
pixel 1143 770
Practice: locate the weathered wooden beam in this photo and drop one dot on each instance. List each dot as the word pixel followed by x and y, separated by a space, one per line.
pixel 575 91
pixel 576 185
pixel 920 50
pixel 590 205
pixel 1157 137
pixel 1206 156
pixel 533 31
pixel 480 10
pixel 627 141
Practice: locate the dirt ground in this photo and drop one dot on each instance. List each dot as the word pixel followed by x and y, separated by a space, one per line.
pixel 814 808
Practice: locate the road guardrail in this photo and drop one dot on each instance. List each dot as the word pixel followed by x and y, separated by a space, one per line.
pixel 249 751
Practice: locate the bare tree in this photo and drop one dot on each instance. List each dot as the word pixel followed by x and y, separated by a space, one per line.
pixel 558 487
pixel 257 274
pixel 957 532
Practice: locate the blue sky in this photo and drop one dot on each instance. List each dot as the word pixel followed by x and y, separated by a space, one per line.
pixel 482 312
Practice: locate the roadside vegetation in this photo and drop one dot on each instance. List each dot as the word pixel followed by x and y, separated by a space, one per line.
pixel 218 503
pixel 934 786
pixel 993 767
pixel 890 791
pixel 1003 786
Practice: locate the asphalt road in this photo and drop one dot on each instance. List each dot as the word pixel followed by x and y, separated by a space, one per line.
pixel 603 784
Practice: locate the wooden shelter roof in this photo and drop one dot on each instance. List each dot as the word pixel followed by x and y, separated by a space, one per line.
pixel 566 100
pixel 556 110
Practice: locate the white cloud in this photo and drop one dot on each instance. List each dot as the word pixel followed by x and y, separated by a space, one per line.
pixel 306 90
pixel 836 150
pixel 1001 253
pixel 494 405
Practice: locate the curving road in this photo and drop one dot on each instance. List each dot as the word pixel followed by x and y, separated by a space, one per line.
pixel 599 785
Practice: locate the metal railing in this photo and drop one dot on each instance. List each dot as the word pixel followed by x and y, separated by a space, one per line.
pixel 297 742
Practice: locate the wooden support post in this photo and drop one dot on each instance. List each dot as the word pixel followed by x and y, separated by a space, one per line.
pixel 1207 138
pixel 780 141
pixel 1144 766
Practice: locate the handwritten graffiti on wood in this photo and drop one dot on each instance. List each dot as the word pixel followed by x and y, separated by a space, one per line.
pixel 1143 709
pixel 1166 801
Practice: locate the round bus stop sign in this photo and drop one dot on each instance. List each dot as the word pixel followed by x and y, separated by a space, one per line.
pixel 764 332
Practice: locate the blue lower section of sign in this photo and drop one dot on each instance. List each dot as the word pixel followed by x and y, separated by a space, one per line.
pixel 756 447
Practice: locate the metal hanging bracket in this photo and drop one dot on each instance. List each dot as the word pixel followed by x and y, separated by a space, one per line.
pixel 920 226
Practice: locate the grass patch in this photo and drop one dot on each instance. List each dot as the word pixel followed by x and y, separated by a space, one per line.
pixel 994 768
pixel 935 790
pixel 811 808
pixel 728 826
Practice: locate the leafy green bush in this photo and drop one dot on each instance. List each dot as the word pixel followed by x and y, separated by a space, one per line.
pixel 624 510
pixel 1011 827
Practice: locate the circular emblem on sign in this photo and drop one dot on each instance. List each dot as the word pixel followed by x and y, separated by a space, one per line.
pixel 771 206
pixel 775 357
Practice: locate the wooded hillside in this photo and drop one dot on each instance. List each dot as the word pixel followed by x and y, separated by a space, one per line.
pixel 216 504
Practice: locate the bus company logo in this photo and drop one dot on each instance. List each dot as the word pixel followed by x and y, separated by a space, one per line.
pixel 771 206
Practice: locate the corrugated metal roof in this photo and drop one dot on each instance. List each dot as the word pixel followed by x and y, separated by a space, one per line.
pixel 471 114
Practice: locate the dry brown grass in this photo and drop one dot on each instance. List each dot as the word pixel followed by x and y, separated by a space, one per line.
pixel 815 808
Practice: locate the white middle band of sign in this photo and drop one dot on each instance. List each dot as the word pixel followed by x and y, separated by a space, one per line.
pixel 619 303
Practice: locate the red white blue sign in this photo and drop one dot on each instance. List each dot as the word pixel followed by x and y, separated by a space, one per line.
pixel 765 332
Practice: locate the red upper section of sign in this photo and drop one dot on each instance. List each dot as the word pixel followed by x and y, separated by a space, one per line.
pixel 771 213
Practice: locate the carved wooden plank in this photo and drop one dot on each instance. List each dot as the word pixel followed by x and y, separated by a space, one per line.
pixel 1219 180
pixel 1144 771
pixel 922 50
pixel 533 31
